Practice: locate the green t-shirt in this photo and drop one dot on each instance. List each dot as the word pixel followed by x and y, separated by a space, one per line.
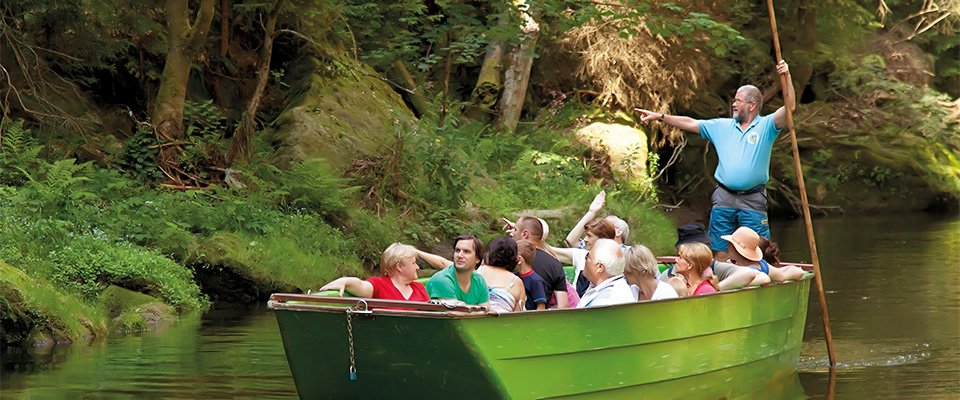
pixel 443 285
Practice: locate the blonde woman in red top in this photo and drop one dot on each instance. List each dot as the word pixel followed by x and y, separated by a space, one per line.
pixel 694 259
pixel 397 279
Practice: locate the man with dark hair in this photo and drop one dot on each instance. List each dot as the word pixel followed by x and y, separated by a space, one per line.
pixel 545 265
pixel 744 144
pixel 458 280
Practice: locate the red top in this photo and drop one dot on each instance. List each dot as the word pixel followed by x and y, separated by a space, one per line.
pixel 383 288
pixel 704 288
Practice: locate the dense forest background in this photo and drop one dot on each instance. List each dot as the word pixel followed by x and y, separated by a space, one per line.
pixel 161 155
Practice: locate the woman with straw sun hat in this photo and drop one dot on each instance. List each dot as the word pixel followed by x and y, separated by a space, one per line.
pixel 744 250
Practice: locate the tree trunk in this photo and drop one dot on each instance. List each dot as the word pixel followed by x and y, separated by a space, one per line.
pixel 517 75
pixel 420 105
pixel 487 90
pixel 241 147
pixel 185 45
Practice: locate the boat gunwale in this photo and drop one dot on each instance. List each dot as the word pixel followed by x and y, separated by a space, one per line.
pixel 278 305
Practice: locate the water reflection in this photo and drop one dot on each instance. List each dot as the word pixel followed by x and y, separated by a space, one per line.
pixel 893 287
pixel 226 354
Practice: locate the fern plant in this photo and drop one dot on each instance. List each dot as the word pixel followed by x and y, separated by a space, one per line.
pixel 19 154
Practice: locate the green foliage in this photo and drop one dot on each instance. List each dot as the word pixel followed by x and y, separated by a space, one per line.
pixel 130 321
pixel 89 263
pixel 205 128
pixel 28 303
pixel 543 179
pixel 139 156
pixel 18 154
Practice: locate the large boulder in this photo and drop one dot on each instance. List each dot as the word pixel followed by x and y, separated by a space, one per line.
pixel 342 111
pixel 626 148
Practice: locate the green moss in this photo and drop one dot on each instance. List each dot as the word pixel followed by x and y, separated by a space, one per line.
pixel 279 261
pixel 117 299
pixel 33 305
pixel 129 321
pixel 340 111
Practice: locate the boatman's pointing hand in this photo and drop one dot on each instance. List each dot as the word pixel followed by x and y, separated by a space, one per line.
pixel 646 115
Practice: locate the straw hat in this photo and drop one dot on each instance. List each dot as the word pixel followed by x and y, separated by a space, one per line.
pixel 747 243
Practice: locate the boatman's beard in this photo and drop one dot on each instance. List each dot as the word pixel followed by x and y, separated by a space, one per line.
pixel 737 117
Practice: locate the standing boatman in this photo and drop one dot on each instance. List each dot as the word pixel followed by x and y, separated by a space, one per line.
pixel 744 143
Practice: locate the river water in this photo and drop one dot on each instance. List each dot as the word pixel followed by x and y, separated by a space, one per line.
pixel 893 287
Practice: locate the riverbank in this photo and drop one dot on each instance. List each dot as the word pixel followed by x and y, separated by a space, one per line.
pixel 242 355
pixel 93 252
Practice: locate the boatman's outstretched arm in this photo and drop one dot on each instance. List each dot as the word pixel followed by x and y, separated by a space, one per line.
pixel 683 123
pixel 790 98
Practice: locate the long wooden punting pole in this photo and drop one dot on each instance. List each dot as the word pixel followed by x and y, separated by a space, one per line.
pixel 803 192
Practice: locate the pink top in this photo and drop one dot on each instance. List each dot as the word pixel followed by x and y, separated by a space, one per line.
pixel 704 288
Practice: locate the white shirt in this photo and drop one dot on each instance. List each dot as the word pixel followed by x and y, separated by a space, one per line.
pixel 579 258
pixel 613 290
pixel 663 291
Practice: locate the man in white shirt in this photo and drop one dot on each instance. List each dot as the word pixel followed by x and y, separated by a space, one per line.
pixel 604 270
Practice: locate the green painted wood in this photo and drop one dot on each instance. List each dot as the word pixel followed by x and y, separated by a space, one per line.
pixel 395 356
pixel 721 345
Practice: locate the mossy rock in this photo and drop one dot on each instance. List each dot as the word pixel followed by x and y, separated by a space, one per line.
pixel 145 317
pixel 32 310
pixel 129 322
pixel 341 112
pixel 117 299
pixel 626 148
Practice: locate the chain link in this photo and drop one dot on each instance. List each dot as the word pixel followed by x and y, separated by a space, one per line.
pixel 353 361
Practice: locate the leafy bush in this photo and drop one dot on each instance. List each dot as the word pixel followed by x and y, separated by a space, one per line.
pixel 89 263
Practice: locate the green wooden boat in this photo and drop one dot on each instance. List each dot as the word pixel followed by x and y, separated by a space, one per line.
pixel 724 345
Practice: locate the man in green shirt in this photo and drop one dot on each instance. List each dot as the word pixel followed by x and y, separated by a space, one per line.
pixel 458 280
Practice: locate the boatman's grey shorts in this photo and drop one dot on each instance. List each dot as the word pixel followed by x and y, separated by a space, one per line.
pixel 731 211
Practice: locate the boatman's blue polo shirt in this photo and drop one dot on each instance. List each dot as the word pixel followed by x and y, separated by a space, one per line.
pixel 744 155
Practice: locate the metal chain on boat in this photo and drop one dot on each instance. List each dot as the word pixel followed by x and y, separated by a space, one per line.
pixel 350 312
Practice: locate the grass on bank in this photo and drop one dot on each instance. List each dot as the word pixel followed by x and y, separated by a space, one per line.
pixel 32 306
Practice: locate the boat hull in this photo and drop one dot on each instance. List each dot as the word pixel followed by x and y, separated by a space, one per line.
pixel 720 345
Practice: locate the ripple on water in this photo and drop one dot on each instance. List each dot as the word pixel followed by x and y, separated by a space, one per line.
pixel 852 355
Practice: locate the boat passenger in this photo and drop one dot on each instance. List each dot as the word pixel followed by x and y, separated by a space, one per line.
pixel 397 279
pixel 533 284
pixel 574 238
pixel 572 297
pixel 729 275
pixel 694 259
pixel 545 264
pixel 506 289
pixel 458 280
pixel 640 270
pixel 744 250
pixel 604 270
pixel 596 229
